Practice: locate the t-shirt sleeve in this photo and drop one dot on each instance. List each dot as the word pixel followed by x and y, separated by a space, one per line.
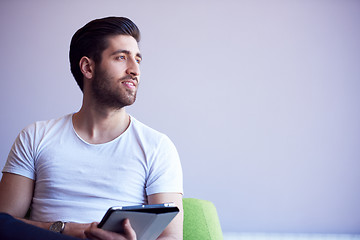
pixel 20 159
pixel 165 172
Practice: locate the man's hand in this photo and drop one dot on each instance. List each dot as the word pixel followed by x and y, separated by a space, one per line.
pixel 95 233
pixel 76 229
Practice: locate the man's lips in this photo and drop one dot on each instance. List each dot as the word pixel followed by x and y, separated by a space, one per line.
pixel 130 82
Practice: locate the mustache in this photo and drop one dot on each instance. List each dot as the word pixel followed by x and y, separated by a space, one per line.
pixel 129 77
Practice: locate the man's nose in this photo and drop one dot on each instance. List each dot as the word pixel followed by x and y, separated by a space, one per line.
pixel 133 68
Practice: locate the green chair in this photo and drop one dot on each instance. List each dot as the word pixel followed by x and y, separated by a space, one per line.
pixel 201 221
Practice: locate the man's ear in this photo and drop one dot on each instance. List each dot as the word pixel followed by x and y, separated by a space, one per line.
pixel 87 67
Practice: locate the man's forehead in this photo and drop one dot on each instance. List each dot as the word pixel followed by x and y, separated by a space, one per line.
pixel 123 43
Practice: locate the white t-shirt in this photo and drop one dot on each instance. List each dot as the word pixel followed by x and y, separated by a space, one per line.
pixel 77 181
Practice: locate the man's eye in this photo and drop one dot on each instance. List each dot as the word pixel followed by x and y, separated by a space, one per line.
pixel 121 57
pixel 138 60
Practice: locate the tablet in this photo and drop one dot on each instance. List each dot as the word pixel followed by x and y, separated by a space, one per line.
pixel 148 221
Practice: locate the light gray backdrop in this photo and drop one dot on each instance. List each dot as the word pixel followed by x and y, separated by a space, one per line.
pixel 261 98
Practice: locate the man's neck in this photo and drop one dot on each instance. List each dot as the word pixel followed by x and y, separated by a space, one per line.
pixel 96 125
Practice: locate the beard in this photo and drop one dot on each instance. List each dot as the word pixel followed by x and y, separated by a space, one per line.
pixel 110 93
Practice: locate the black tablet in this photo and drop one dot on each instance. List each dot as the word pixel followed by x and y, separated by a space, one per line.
pixel 148 221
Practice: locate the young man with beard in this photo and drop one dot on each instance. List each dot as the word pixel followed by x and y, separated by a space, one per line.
pixel 72 169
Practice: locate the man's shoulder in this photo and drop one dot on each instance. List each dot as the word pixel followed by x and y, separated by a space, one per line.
pixel 151 139
pixel 46 125
pixel 145 131
pixel 143 127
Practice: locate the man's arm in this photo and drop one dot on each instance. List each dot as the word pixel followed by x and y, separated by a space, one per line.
pixel 16 193
pixel 175 229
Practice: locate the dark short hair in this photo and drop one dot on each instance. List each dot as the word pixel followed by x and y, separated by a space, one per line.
pixel 91 41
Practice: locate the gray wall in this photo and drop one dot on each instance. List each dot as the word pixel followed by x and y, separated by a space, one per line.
pixel 260 97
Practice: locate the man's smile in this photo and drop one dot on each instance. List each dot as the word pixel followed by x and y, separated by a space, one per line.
pixel 130 83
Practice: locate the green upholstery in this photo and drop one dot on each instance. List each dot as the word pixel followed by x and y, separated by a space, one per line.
pixel 201 221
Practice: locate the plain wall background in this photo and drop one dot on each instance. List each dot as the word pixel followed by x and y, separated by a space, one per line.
pixel 261 98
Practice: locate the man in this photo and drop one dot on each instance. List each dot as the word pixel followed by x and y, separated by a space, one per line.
pixel 72 169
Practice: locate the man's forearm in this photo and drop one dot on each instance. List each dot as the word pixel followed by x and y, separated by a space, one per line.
pixel 71 228
pixel 44 225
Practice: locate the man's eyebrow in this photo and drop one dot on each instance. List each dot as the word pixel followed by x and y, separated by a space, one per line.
pixel 127 52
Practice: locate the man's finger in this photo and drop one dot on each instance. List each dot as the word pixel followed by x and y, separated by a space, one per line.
pixel 129 232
